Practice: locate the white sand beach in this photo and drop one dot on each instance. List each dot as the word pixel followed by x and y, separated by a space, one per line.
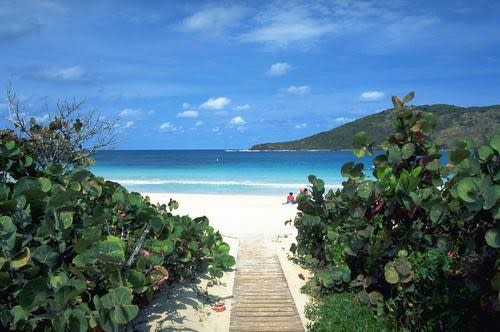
pixel 237 217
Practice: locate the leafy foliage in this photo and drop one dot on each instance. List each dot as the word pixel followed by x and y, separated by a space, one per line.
pixel 453 123
pixel 343 312
pixel 417 240
pixel 79 252
pixel 70 137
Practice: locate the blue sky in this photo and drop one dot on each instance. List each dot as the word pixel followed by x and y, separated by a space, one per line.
pixel 229 74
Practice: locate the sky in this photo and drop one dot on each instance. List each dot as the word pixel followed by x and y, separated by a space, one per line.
pixel 230 74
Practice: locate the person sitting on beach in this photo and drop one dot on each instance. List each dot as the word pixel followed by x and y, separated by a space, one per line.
pixel 290 199
pixel 304 191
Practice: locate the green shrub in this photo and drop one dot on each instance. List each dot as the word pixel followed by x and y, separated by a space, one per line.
pixel 340 312
pixel 418 240
pixel 79 252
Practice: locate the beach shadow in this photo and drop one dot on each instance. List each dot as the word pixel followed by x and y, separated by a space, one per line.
pixel 172 309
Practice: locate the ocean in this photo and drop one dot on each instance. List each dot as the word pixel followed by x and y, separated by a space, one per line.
pixel 222 171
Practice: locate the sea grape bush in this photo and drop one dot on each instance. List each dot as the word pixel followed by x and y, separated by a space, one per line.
pixel 79 252
pixel 418 240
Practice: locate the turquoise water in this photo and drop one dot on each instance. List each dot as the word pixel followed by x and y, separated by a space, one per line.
pixel 220 171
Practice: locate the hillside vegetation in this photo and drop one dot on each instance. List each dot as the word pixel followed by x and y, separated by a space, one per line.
pixel 453 123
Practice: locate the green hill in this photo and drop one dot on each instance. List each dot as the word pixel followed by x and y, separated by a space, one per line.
pixel 454 123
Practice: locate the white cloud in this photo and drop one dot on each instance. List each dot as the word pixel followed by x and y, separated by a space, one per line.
pixel 135 113
pixel 215 129
pixel 279 69
pixel 342 119
pixel 199 123
pixel 238 121
pixel 75 74
pixel 186 106
pixel 213 20
pixel 42 118
pixel 301 125
pixel 128 112
pixel 371 96
pixel 216 103
pixel 282 26
pixel 17 27
pixel 128 124
pixel 296 90
pixel 242 107
pixel 168 127
pixel 188 114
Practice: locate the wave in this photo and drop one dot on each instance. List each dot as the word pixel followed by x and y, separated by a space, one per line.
pixel 207 183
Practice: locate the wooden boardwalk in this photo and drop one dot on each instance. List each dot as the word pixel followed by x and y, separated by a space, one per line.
pixel 261 298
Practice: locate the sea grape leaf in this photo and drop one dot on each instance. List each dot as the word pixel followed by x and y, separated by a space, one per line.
pixel 433 165
pixel 173 205
pixel 77 321
pixel 346 169
pixel 490 195
pixel 45 184
pixel 33 293
pixel 407 150
pixel 58 280
pixel 71 288
pixel 394 154
pixel 308 219
pixel 409 97
pixel 21 259
pixel 137 279
pixel 403 266
pixel 318 184
pixel 19 314
pixel 436 213
pixel 492 237
pixel 458 154
pixel 465 187
pixel 119 300
pixel 390 274
pixel 224 248
pixel 363 297
pixel 45 255
pixel 7 227
pixel 365 189
pixel 227 261
pixel 376 298
pixel 157 223
pixel 398 104
pixel 80 175
pixel 111 251
pixel 485 152
pixel 66 218
pixel 495 142
pixel 362 144
pixel 118 197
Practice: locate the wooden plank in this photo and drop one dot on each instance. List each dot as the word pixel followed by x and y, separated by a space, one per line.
pixel 261 298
